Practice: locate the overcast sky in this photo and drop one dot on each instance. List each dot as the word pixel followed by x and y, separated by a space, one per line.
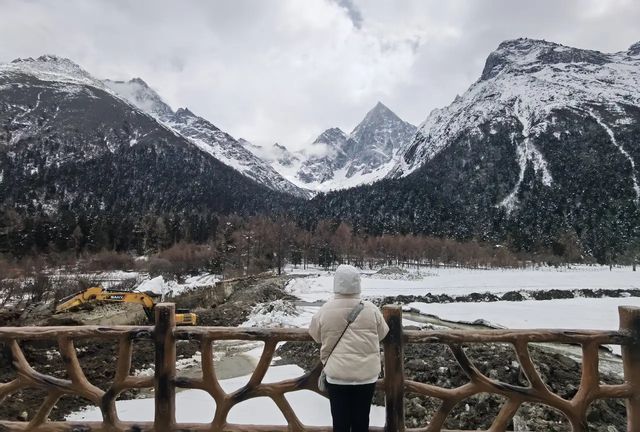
pixel 285 70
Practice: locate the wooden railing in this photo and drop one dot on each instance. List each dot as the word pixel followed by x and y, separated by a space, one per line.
pixel 165 381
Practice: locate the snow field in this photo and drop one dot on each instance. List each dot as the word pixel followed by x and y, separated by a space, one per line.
pixel 457 281
pixel 576 313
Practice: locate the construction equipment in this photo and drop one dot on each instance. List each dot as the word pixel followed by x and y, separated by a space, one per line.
pixel 183 316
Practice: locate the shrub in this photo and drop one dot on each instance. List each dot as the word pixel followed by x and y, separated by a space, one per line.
pixel 109 260
pixel 8 270
pixel 38 287
pixel 185 258
pixel 10 291
pixel 159 266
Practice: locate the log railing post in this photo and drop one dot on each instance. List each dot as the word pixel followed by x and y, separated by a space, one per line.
pixel 394 369
pixel 630 323
pixel 165 367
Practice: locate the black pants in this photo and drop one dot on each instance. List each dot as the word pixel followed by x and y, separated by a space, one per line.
pixel 350 406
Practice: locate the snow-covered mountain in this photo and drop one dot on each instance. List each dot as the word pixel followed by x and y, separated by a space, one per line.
pixel 530 88
pixel 205 135
pixel 70 149
pixel 542 153
pixel 336 160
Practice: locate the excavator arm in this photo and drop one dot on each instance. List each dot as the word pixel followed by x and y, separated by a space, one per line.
pixel 100 294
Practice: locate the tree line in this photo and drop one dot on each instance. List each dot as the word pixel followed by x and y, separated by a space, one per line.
pixel 234 245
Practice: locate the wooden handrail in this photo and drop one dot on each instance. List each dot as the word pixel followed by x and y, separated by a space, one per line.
pixel 166 380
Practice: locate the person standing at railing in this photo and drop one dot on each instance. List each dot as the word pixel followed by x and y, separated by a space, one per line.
pixel 349 331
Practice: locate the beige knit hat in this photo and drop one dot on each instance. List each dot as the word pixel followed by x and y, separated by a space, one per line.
pixel 346 280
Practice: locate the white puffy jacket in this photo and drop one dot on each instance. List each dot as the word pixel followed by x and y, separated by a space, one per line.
pixel 356 359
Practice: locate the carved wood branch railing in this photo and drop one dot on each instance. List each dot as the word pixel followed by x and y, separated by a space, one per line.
pixel 165 380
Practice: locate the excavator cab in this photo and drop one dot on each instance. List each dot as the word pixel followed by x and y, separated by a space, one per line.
pixel 186 317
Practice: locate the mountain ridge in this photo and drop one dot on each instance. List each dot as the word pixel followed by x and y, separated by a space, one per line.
pixel 360 157
pixel 205 135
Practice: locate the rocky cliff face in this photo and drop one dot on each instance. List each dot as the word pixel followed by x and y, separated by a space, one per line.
pixel 322 169
pixel 377 139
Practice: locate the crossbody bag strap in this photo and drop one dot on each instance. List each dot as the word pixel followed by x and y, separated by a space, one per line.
pixel 350 318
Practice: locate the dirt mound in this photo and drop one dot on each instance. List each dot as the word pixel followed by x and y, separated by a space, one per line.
pixel 397 273
pixel 245 296
pixel 392 270
pixel 100 313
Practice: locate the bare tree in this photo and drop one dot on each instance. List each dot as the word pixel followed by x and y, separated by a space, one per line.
pixel 341 242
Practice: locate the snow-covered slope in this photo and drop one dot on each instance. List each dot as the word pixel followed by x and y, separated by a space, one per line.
pixel 529 86
pixel 336 160
pixel 138 93
pixel 50 68
pixel 281 159
pixel 205 135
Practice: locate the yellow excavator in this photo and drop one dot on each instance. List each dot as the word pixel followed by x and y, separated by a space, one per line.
pixel 183 316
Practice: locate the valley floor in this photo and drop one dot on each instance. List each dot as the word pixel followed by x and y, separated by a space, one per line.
pixel 314 286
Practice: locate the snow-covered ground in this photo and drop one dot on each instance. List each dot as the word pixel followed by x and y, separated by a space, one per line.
pixel 279 313
pixel 457 281
pixel 198 407
pixel 576 313
pixel 161 287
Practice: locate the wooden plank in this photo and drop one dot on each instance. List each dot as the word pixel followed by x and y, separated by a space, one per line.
pixel 456 337
pixel 79 332
pixel 242 333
